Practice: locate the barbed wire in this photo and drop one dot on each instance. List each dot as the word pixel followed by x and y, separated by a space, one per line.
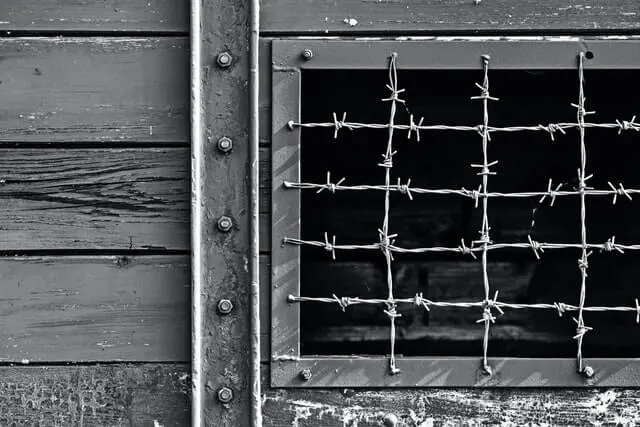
pixel 484 244
pixel 413 128
pixel 427 304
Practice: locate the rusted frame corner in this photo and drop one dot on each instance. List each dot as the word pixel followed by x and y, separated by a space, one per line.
pixel 288 367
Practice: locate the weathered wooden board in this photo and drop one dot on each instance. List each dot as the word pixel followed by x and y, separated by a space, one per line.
pixel 94 89
pixel 420 16
pixel 94 308
pixel 87 15
pixel 450 407
pixel 133 308
pixel 114 395
pixel 94 199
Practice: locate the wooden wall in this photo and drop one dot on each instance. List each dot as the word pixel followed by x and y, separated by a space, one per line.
pixel 94 229
pixel 451 406
pixel 94 178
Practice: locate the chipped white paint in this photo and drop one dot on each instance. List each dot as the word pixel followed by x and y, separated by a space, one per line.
pixel 352 22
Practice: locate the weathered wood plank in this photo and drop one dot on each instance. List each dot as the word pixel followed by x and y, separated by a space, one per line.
pixel 115 395
pixel 352 16
pixel 94 308
pixel 451 407
pixel 88 15
pixel 94 199
pixel 94 89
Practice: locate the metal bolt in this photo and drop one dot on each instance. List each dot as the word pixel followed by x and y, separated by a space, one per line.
pixel 224 59
pixel 225 395
pixel 390 420
pixel 305 374
pixel 225 306
pixel 588 372
pixel 307 54
pixel 225 144
pixel 225 223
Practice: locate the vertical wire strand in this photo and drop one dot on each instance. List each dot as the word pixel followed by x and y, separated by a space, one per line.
pixel 485 239
pixel 385 237
pixel 583 264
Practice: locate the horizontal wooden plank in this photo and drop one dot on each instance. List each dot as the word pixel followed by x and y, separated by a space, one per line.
pixel 94 89
pixel 94 199
pixel 449 407
pixel 87 15
pixel 422 16
pixel 116 395
pixel 95 309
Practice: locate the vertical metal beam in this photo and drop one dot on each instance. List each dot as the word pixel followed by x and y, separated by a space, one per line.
pixel 223 184
pixel 254 229
pixel 196 215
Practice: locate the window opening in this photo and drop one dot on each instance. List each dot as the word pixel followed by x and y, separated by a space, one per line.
pixel 490 306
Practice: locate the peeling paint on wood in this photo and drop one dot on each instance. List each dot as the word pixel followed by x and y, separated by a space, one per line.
pixel 451 407
pixel 116 395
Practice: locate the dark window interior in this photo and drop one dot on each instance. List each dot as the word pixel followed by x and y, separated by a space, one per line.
pixel 442 160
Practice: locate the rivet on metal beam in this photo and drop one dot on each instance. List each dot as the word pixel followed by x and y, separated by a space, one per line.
pixel 390 420
pixel 307 54
pixel 225 144
pixel 588 372
pixel 225 306
pixel 305 374
pixel 224 59
pixel 225 395
pixel 225 223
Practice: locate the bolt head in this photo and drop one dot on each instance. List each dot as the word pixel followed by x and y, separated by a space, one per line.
pixel 588 372
pixel 225 144
pixel 390 420
pixel 224 59
pixel 225 306
pixel 305 374
pixel 225 223
pixel 225 395
pixel 307 54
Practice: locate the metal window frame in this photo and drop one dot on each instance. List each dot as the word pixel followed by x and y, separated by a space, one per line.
pixel 429 54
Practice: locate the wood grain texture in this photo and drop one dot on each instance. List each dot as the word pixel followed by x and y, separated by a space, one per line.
pixel 451 407
pixel 107 308
pixel 419 16
pixel 95 89
pixel 94 199
pixel 115 395
pixel 89 15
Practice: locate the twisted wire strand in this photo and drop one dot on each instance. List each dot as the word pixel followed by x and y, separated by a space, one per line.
pixel 472 194
pixel 560 307
pixel 485 239
pixel 583 263
pixel 608 246
pixel 386 238
pixel 412 127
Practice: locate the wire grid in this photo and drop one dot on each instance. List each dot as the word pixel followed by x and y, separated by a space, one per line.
pixel 484 244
